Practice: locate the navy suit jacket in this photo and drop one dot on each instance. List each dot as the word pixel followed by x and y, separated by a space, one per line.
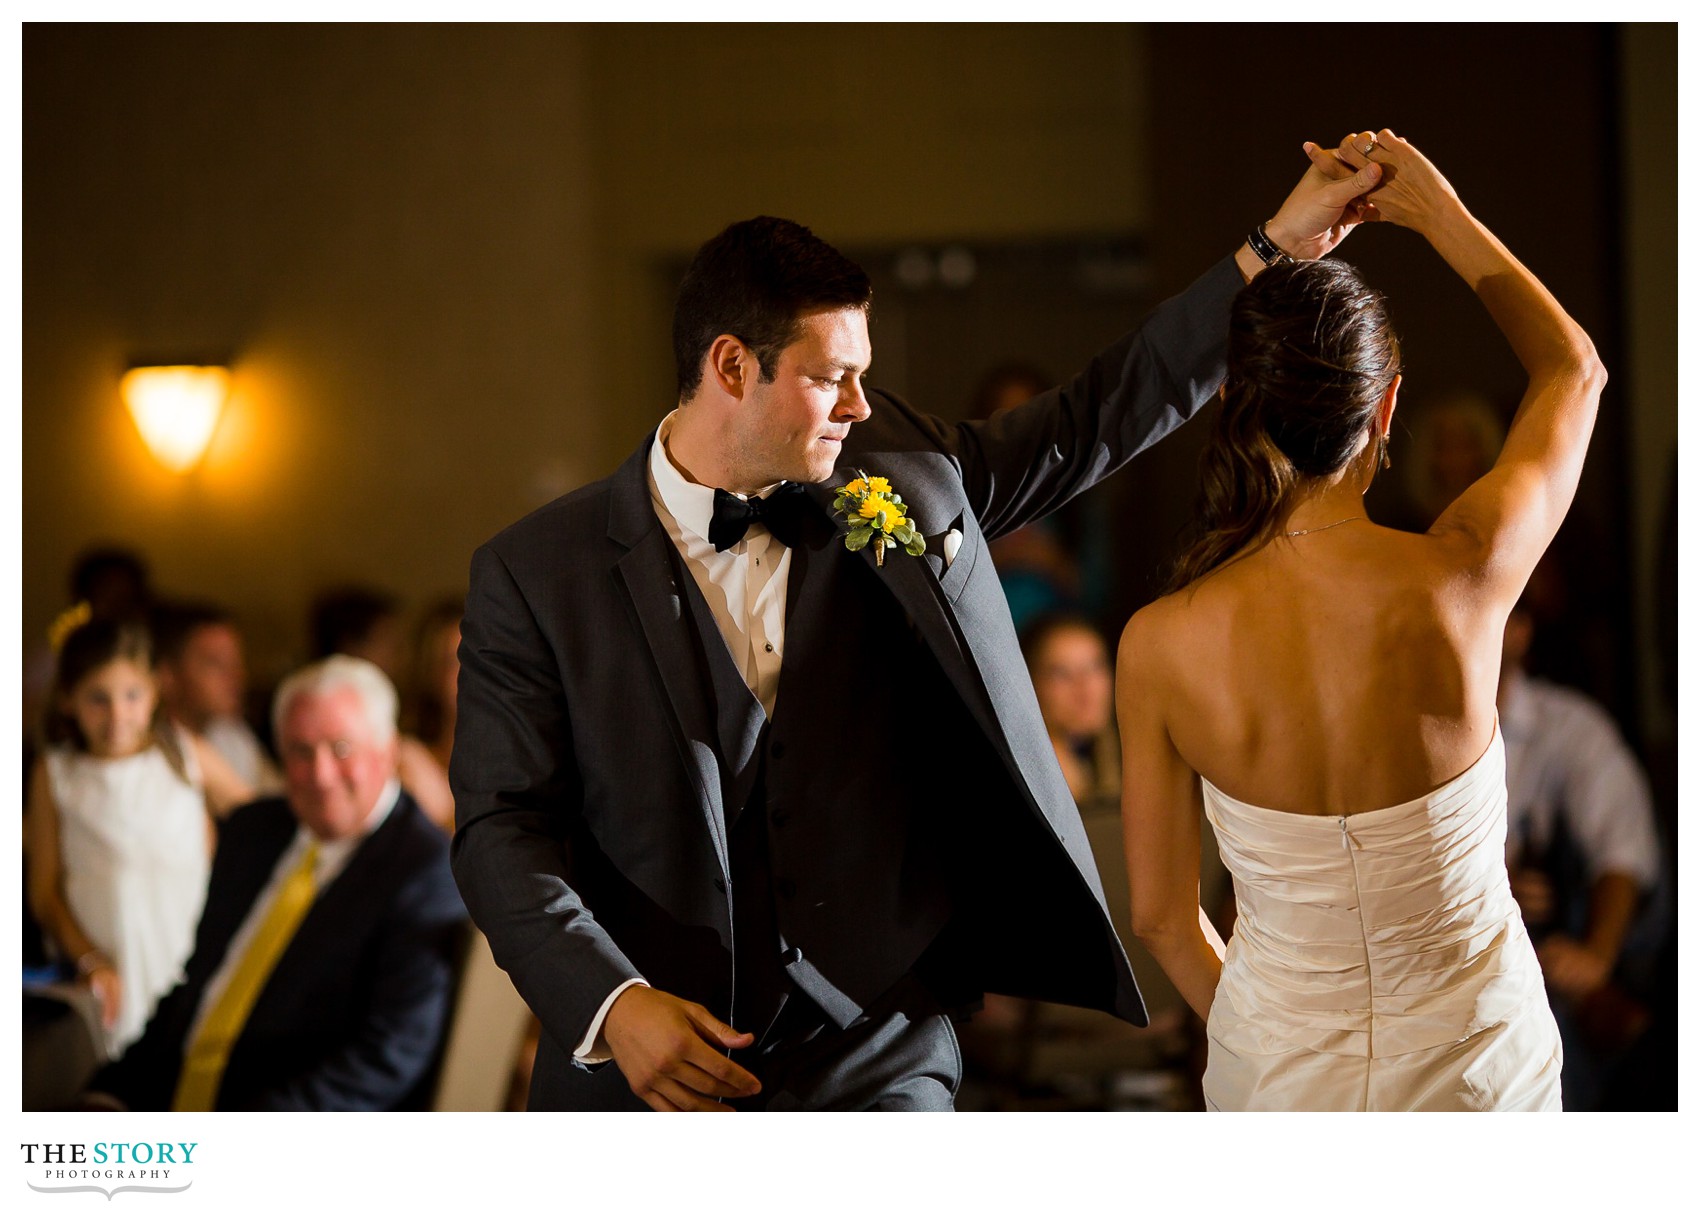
pixel 353 1016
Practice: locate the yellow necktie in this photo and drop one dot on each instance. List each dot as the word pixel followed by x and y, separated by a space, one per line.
pixel 204 1062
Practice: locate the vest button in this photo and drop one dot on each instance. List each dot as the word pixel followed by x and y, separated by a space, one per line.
pixel 790 956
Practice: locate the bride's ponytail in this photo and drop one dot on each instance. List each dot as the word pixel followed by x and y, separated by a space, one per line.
pixel 1242 480
pixel 1311 353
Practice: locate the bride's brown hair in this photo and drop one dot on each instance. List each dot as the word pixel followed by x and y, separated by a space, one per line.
pixel 1311 353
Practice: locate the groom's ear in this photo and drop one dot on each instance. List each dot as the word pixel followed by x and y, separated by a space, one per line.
pixel 730 365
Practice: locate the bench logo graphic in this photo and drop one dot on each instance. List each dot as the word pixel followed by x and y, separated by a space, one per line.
pixel 109 1167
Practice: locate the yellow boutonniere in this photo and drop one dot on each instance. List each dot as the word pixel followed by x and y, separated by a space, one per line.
pixel 876 515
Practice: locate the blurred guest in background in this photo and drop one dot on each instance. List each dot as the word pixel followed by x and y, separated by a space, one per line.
pixel 436 675
pixel 117 828
pixel 1069 662
pixel 1583 851
pixel 202 681
pixel 358 621
pixel 1454 441
pixel 322 974
pixel 106 582
pixel 114 582
pixel 361 622
pixel 430 715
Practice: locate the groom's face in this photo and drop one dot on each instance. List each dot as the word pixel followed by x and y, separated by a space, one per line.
pixel 794 427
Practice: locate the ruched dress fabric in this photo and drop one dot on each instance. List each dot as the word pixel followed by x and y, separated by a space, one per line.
pixel 133 851
pixel 1379 961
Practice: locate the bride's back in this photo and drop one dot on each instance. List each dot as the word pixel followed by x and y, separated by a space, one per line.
pixel 1334 672
pixel 1310 661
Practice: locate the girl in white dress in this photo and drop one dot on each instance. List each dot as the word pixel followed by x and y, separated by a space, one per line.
pixel 118 830
pixel 1324 689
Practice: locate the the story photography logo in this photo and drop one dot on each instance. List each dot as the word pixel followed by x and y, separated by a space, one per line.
pixel 109 1167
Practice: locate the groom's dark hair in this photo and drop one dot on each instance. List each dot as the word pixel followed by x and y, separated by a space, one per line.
pixel 753 280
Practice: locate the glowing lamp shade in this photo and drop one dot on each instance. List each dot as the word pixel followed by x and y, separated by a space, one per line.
pixel 176 409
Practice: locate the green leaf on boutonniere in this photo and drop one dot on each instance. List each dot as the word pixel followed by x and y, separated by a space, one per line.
pixel 857 539
pixel 917 547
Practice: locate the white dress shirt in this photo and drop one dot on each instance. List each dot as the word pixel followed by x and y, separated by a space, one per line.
pixel 332 858
pixel 237 745
pixel 1565 758
pixel 745 588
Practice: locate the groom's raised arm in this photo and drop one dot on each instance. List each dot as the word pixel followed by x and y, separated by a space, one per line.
pixel 1027 461
pixel 518 797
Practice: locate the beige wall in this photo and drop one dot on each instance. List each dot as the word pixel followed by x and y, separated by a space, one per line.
pixel 869 134
pixel 434 254
pixel 385 228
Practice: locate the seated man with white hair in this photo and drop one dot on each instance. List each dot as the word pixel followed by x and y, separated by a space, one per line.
pixel 323 967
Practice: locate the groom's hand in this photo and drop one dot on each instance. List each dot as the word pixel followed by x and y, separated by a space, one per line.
pixel 1326 204
pixel 668 1049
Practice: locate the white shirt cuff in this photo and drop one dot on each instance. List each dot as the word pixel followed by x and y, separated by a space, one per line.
pixel 586 1051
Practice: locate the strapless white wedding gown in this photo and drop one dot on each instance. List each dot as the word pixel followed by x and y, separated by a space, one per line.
pixel 1379 962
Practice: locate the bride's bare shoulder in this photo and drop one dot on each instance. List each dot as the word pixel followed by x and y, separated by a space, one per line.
pixel 1158 632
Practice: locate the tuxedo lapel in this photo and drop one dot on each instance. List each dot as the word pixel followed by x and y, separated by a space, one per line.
pixel 976 656
pixel 911 581
pixel 648 574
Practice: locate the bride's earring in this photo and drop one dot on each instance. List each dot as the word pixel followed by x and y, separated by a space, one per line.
pixel 1386 462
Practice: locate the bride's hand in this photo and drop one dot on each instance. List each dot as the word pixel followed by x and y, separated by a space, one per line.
pixel 1412 192
pixel 1325 206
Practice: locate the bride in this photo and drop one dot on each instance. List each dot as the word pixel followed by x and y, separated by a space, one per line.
pixel 1325 687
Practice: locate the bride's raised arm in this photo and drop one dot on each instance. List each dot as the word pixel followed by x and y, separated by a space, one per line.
pixel 1508 517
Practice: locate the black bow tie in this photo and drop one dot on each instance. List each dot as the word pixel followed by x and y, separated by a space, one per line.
pixel 781 512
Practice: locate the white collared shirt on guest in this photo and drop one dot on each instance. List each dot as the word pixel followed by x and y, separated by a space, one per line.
pixel 1565 759
pixel 745 588
pixel 332 858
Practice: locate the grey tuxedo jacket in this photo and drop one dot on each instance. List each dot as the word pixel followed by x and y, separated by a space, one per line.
pixel 589 768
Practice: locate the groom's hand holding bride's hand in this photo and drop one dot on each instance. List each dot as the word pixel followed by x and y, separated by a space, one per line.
pixel 669 1051
pixel 1412 193
pixel 1326 204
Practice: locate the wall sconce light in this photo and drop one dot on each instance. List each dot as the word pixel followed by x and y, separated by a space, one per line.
pixel 176 408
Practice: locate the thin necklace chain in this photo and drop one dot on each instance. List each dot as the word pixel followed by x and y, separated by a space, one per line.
pixel 1329 527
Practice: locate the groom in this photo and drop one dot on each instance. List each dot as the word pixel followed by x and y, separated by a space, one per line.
pixel 749 814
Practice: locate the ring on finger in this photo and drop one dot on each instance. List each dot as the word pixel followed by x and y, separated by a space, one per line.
pixel 1373 144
